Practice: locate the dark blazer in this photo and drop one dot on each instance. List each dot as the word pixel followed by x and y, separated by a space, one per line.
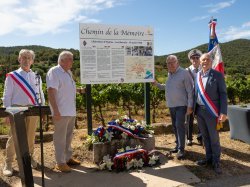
pixel 216 90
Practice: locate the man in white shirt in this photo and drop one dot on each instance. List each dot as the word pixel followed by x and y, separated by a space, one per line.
pixel 22 89
pixel 62 94
pixel 194 57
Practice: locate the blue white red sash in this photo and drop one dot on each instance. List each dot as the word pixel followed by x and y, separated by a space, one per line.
pixel 25 86
pixel 125 130
pixel 205 97
pixel 129 153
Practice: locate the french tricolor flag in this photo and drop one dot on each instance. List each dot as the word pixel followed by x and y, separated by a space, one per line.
pixel 214 48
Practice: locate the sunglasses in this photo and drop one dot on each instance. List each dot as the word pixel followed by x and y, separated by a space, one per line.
pixel 195 57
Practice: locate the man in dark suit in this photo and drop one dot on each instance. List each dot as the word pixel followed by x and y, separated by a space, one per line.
pixel 211 108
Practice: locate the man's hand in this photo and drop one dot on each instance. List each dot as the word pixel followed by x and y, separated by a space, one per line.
pixel 222 117
pixel 189 110
pixel 56 116
pixel 154 82
pixel 81 90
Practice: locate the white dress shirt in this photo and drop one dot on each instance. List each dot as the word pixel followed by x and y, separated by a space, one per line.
pixel 14 95
pixel 204 78
pixel 64 84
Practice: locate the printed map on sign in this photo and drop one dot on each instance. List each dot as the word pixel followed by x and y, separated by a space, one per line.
pixel 139 68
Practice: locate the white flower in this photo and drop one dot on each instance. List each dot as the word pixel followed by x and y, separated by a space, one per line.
pixel 138 124
pixel 138 163
pixel 126 125
pixel 138 147
pixel 117 120
pixel 143 123
pixel 151 131
pixel 109 165
pixel 130 164
pixel 109 135
pixel 152 160
pixel 102 166
pixel 106 162
pixel 120 150
pixel 132 127
pixel 128 148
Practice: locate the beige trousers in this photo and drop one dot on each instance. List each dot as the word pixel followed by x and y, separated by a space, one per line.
pixel 30 124
pixel 62 138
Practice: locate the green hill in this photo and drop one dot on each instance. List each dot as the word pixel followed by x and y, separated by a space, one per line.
pixel 45 58
pixel 235 54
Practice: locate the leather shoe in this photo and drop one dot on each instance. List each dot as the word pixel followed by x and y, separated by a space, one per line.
pixel 73 161
pixel 63 168
pixel 180 155
pixel 204 162
pixel 175 150
pixel 199 139
pixel 217 168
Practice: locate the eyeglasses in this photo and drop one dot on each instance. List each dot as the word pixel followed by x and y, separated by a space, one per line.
pixel 195 57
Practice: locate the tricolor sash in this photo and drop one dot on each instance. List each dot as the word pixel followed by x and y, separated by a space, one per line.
pixel 205 97
pixel 125 130
pixel 25 86
pixel 129 155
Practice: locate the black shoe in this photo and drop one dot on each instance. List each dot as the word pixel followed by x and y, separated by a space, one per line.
pixel 204 162
pixel 180 155
pixel 217 168
pixel 175 150
pixel 199 139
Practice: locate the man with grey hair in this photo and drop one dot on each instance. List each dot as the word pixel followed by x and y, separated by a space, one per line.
pixel 62 94
pixel 22 89
pixel 179 97
pixel 210 108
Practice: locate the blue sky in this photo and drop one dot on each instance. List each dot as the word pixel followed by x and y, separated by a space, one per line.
pixel 178 24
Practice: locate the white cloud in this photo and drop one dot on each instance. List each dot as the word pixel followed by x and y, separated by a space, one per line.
pixel 247 24
pixel 233 33
pixel 35 17
pixel 199 18
pixel 214 8
pixel 85 19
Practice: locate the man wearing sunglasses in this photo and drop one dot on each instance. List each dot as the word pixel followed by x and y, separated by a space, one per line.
pixel 194 57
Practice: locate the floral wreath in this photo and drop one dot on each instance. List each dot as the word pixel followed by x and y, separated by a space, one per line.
pixel 130 158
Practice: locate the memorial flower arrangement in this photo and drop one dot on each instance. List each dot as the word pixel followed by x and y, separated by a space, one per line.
pixel 122 127
pixel 125 126
pixel 129 158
